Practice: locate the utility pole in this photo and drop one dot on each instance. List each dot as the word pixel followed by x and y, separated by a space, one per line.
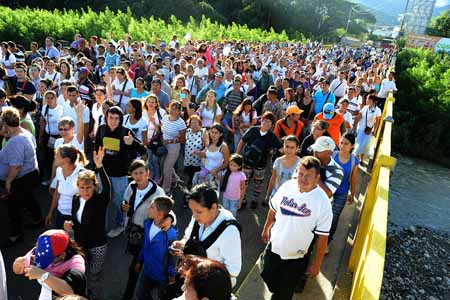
pixel 348 19
pixel 403 19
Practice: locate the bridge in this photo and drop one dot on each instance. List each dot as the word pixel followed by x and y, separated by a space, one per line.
pixel 352 270
pixel 354 267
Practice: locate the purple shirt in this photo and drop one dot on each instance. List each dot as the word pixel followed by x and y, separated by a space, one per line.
pixel 20 150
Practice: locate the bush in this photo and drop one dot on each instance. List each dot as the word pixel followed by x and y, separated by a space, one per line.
pixel 27 25
pixel 422 116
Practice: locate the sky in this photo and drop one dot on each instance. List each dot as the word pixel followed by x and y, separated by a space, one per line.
pixel 442 2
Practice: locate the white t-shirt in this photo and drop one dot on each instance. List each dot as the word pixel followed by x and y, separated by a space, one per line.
pixel 60 100
pixel 386 85
pixel 371 114
pixel 69 111
pixel 74 142
pixel 151 128
pixel 246 117
pixel 190 84
pixel 67 188
pixel 51 118
pixel 140 194
pixel 153 231
pixel 138 128
pixel 81 209
pixel 202 74
pixel 208 116
pixel 119 86
pixel 298 217
pixel 338 87
pixel 96 113
pixel 8 63
pixel 55 77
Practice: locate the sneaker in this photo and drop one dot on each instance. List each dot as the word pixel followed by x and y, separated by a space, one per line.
pixel 115 232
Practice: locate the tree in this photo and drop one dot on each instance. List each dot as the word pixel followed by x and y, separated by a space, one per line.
pixel 440 26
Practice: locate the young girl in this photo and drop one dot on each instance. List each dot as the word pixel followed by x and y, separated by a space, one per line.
pixel 284 167
pixel 243 118
pixel 234 178
pixel 88 220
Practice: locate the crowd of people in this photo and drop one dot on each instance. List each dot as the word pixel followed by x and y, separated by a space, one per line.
pixel 114 128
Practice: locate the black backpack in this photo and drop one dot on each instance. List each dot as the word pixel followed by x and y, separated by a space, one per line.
pixel 196 247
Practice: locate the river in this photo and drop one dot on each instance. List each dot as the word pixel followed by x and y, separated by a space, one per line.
pixel 419 194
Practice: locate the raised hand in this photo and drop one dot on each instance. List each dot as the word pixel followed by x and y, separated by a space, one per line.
pixel 128 139
pixel 79 108
pixel 98 157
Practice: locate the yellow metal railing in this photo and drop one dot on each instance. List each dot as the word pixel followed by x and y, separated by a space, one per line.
pixel 369 248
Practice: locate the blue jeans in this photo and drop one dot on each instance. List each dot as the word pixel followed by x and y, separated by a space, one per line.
pixel 118 187
pixel 154 164
pixel 339 201
pixel 231 205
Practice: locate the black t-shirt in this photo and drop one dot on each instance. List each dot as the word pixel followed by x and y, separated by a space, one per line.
pixel 257 147
pixel 25 87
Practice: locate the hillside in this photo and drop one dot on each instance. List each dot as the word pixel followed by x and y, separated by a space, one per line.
pixel 387 11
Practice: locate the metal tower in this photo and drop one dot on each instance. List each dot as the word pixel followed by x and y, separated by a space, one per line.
pixel 418 17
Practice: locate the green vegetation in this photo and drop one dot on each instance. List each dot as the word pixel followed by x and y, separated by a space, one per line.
pixel 440 26
pixel 26 25
pixel 422 116
pixel 318 19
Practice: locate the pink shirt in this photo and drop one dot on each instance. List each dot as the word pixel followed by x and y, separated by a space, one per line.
pixel 76 262
pixel 233 188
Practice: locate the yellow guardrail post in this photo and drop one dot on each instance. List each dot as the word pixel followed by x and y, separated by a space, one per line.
pixel 369 248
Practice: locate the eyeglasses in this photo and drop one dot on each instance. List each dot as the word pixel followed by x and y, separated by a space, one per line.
pixel 64 129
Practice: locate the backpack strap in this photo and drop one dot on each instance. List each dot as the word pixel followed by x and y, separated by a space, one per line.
pixel 133 197
pixel 212 238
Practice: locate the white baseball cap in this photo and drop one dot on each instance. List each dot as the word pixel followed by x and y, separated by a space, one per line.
pixel 323 143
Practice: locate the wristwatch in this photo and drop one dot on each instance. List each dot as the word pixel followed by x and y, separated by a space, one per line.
pixel 43 278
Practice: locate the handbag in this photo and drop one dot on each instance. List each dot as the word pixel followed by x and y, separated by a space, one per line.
pixel 135 238
pixel 155 144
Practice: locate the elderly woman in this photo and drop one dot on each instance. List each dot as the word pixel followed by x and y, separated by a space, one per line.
pixel 18 173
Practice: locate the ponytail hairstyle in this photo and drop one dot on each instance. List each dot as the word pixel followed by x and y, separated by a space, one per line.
pixel 237 159
pixel 74 155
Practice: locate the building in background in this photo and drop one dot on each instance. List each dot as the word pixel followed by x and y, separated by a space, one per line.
pixel 418 16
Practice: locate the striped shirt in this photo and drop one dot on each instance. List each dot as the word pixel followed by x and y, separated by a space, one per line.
pixel 171 129
pixel 232 100
pixel 332 175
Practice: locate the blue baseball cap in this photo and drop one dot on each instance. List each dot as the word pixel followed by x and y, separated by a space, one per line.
pixel 328 111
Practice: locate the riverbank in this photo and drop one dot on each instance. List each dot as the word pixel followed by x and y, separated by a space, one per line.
pixel 417 265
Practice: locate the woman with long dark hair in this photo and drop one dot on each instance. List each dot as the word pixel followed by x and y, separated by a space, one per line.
pixel 134 120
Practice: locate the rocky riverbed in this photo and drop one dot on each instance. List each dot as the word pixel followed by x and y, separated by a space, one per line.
pixel 417 265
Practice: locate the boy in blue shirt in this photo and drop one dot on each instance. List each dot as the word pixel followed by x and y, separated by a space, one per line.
pixel 159 268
